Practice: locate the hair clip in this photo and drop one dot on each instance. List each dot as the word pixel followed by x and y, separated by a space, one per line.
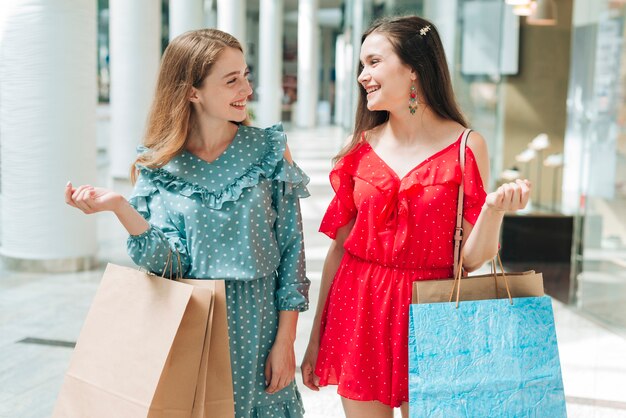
pixel 424 30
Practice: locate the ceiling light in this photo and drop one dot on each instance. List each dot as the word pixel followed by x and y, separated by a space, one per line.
pixel 543 14
pixel 524 9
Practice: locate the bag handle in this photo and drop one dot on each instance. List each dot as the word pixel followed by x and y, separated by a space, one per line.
pixel 457 280
pixel 458 234
pixel 458 230
pixel 169 263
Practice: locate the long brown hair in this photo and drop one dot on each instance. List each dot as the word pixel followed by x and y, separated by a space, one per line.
pixel 186 62
pixel 425 55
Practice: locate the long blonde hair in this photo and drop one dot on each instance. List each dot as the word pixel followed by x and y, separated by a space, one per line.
pixel 186 62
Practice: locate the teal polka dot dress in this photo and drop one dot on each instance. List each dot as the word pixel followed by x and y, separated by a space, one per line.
pixel 236 218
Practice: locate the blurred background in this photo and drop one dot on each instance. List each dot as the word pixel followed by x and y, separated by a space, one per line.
pixel 543 81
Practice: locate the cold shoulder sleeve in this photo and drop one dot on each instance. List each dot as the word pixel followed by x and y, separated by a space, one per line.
pixel 342 208
pixel 474 192
pixel 163 241
pixel 289 185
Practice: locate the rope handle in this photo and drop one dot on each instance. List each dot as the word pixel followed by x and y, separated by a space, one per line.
pixel 169 263
pixel 458 274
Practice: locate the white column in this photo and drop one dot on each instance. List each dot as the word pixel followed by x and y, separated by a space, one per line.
pixel 135 38
pixel 326 58
pixel 231 18
pixel 359 17
pixel 308 63
pixel 341 81
pixel 48 130
pixel 443 13
pixel 270 56
pixel 210 14
pixel 185 15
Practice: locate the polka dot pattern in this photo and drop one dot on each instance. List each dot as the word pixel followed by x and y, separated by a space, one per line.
pixel 236 218
pixel 403 231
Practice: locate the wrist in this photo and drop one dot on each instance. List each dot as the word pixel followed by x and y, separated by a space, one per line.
pixel 285 339
pixel 492 210
pixel 119 204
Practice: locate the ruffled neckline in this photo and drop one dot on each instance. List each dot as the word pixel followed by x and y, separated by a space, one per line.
pixel 415 168
pixel 270 165
pixel 379 175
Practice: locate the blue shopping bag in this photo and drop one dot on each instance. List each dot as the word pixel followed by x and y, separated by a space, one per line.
pixel 486 358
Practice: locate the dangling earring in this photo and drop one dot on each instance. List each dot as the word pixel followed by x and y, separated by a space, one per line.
pixel 413 100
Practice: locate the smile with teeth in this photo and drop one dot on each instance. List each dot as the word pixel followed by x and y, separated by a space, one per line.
pixel 372 89
pixel 239 104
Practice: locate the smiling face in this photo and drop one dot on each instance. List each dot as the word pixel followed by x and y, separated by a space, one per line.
pixel 224 93
pixel 385 78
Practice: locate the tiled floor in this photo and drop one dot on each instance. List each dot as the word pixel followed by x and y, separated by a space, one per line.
pixel 53 306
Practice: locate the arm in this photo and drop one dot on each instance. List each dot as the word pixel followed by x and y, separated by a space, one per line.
pixel 150 244
pixel 91 199
pixel 293 286
pixel 480 242
pixel 331 265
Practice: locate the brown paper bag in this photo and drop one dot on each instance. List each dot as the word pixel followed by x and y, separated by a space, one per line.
pixel 481 287
pixel 214 392
pixel 140 350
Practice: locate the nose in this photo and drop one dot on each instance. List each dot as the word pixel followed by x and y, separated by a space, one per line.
pixel 363 76
pixel 247 90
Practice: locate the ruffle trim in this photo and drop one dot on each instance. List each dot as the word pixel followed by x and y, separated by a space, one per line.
pixel 272 166
pixel 427 174
pixel 289 409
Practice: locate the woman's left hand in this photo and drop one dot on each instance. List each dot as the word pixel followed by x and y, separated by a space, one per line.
pixel 280 366
pixel 509 197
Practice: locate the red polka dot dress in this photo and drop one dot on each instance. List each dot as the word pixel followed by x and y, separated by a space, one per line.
pixel 403 232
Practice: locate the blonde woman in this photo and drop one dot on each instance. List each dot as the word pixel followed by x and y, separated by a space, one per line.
pixel 225 196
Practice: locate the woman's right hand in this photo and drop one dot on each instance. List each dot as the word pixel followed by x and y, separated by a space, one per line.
pixel 91 199
pixel 309 378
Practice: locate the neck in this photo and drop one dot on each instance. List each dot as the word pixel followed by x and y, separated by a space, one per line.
pixel 420 127
pixel 209 133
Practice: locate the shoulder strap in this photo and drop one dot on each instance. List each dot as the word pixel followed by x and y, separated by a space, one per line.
pixel 458 230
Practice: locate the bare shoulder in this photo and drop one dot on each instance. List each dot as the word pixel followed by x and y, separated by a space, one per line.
pixel 287 155
pixel 478 145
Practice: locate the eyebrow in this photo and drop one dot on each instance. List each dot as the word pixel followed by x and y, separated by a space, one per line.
pixel 232 73
pixel 370 56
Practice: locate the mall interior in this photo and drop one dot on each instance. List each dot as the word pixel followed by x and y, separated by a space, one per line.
pixel 543 81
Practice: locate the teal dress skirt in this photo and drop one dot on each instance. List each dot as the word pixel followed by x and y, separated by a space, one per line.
pixel 238 219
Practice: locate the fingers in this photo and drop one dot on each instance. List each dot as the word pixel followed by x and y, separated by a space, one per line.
pixel 81 198
pixel 268 373
pixel 510 196
pixel 274 381
pixel 525 188
pixel 278 382
pixel 68 194
pixel 309 379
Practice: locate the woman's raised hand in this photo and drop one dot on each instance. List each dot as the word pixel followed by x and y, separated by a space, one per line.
pixel 509 197
pixel 91 199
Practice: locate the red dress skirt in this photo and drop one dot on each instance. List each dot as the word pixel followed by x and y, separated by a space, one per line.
pixel 403 231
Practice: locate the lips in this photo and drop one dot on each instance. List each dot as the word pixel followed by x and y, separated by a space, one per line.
pixel 239 105
pixel 372 89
